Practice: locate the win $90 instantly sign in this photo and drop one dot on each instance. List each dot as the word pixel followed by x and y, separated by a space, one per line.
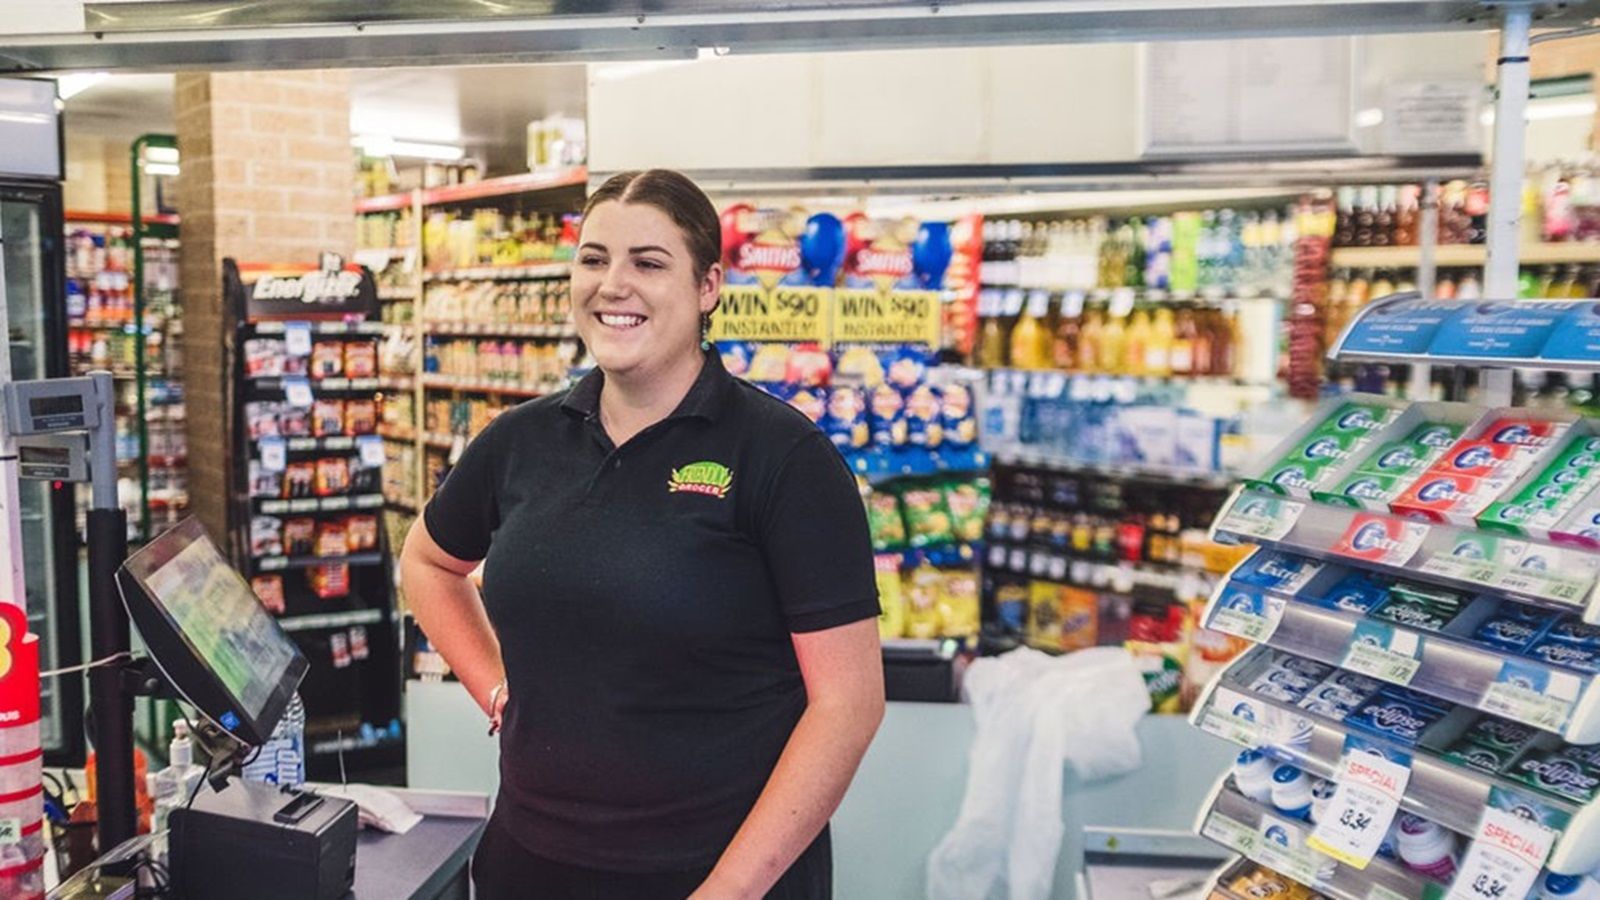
pixel 752 312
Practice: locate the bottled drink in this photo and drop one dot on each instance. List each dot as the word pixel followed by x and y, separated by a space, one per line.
pixel 1136 343
pixel 1064 350
pixel 1181 358
pixel 1091 337
pixel 1113 346
pixel 1344 228
pixel 1387 219
pixel 1158 352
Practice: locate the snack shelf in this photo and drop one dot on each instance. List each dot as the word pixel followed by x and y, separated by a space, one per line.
pixel 274 506
pixel 330 327
pixel 279 563
pixel 403 435
pixel 1544 574
pixel 1264 836
pixel 1465 673
pixel 397 293
pixel 508 329
pixel 448 383
pixel 506 186
pixel 330 442
pixel 529 272
pixel 383 203
pixel 1229 873
pixel 396 382
pixel 313 621
pixel 274 383
pixel 1532 253
pixel 1024 459
pixel 1452 796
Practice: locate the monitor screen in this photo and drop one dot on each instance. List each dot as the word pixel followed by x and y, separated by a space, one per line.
pixel 209 634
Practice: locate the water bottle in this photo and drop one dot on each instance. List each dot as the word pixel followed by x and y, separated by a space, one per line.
pixel 282 759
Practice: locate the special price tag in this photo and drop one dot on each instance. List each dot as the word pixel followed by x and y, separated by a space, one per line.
pixel 1505 858
pixel 1532 694
pixel 1365 801
pixel 750 312
pixel 1262 518
pixel 1247 612
pixel 1377 650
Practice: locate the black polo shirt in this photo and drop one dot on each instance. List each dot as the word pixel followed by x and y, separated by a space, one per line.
pixel 644 598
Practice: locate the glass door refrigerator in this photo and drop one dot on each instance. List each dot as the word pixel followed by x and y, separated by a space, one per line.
pixel 35 271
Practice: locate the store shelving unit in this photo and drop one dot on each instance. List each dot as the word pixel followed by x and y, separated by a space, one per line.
pixel 124 315
pixel 1450 795
pixel 1262 835
pixel 1443 659
pixel 1460 255
pixel 1038 460
pixel 433 406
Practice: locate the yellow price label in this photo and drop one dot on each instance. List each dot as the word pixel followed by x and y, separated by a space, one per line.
pixel 894 317
pixel 750 312
pixel 5 648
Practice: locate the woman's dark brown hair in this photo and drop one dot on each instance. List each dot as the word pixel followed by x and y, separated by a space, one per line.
pixel 683 202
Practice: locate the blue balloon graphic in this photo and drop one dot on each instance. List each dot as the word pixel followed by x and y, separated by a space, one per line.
pixel 930 255
pixel 822 249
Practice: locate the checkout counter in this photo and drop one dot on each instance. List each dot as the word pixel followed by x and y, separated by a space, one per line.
pixel 213 644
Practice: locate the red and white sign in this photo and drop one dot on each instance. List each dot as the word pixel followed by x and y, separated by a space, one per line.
pixel 1363 805
pixel 1505 858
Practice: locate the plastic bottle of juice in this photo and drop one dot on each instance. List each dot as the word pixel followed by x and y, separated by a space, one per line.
pixel 1113 346
pixel 1091 337
pixel 1064 349
pixel 1025 339
pixel 1181 358
pixel 1136 343
pixel 1163 335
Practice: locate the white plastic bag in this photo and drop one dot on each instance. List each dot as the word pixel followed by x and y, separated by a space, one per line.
pixel 1034 713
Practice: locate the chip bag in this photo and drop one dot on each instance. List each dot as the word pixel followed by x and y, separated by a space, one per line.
pixel 968 502
pixel 891 600
pixel 927 517
pixel 883 518
pixel 959 611
pixel 922 588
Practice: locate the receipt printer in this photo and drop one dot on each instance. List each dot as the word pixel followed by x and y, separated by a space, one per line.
pixel 249 840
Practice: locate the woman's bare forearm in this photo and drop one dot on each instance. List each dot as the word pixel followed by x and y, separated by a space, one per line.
pixel 448 608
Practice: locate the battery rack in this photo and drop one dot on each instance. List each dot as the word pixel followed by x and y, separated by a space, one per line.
pixel 1425 588
pixel 309 503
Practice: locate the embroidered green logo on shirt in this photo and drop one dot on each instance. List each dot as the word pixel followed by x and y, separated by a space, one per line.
pixel 711 478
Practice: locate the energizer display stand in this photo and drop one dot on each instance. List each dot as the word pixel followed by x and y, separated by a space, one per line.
pixel 65 430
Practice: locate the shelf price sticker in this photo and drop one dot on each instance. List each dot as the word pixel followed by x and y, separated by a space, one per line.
pixel 1281 845
pixel 370 448
pixel 1532 694
pixel 1505 858
pixel 750 312
pixel 1261 518
pixel 1377 650
pixel 1365 801
pixel 1247 612
pixel 1235 718
pixel 867 316
pixel 1381 540
pixel 1230 833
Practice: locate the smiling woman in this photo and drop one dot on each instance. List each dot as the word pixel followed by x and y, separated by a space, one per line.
pixel 677 619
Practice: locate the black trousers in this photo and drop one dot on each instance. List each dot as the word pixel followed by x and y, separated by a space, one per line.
pixel 503 869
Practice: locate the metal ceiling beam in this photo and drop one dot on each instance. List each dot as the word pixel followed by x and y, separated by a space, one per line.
pixel 319 33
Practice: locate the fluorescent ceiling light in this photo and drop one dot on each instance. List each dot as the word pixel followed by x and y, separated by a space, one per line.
pixel 1369 118
pixel 160 168
pixel 1543 110
pixel 161 155
pixel 383 145
pixel 69 86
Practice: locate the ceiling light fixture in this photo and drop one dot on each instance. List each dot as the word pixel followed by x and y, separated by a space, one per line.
pixel 160 168
pixel 69 86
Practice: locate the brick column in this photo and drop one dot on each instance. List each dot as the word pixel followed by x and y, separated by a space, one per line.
pixel 266 177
